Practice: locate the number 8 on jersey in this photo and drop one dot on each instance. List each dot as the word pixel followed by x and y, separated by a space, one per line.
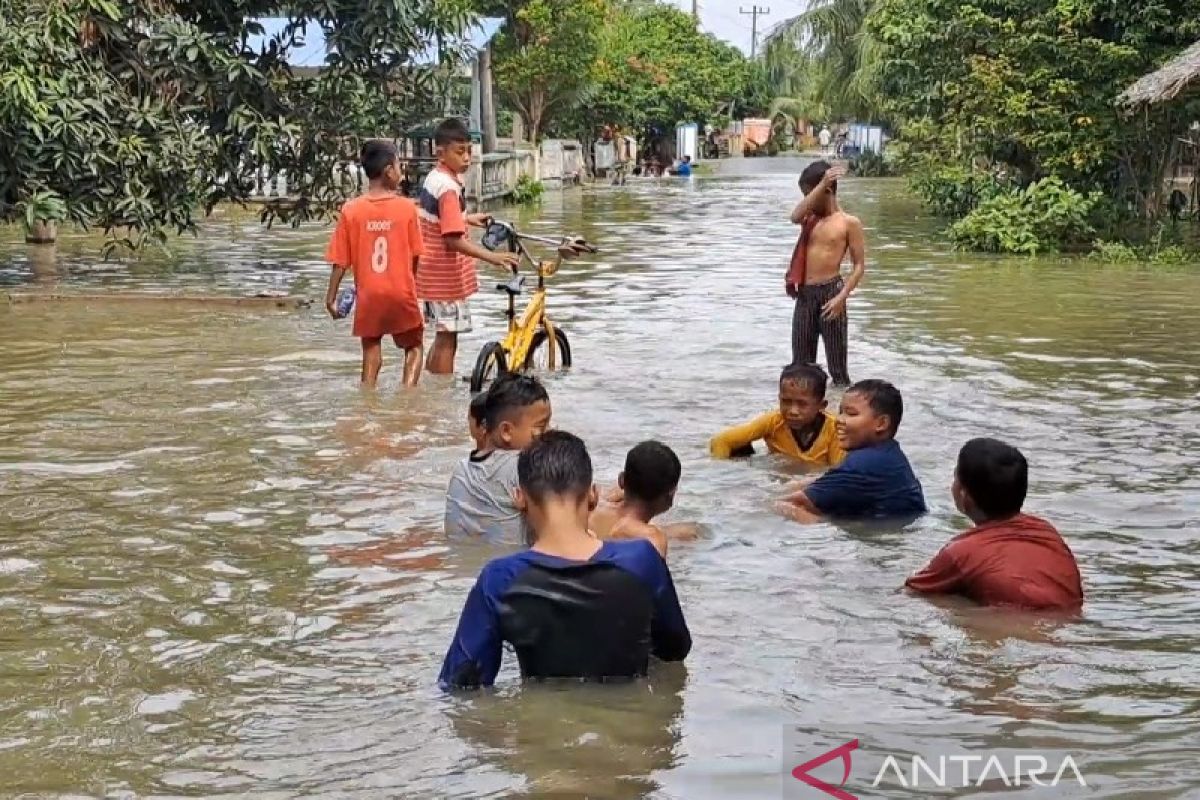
pixel 379 254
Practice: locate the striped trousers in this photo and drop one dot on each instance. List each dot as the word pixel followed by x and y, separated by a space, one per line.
pixel 807 325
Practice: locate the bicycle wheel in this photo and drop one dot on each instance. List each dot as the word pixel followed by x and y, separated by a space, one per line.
pixel 490 364
pixel 538 359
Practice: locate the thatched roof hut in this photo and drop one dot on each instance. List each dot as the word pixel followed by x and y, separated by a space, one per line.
pixel 1166 83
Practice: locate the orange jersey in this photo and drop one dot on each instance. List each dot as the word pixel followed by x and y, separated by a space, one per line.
pixel 378 238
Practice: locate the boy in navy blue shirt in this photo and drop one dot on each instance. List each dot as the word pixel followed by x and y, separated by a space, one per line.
pixel 875 481
pixel 571 605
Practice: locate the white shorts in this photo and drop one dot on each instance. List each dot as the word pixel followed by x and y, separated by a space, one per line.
pixel 452 316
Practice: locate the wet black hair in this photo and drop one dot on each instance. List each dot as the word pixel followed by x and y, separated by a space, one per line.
pixel 884 399
pixel 478 407
pixel 809 377
pixel 451 131
pixel 376 155
pixel 652 471
pixel 555 464
pixel 508 393
pixel 812 175
pixel 995 475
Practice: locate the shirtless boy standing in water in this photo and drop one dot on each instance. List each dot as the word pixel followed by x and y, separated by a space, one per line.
pixel 814 277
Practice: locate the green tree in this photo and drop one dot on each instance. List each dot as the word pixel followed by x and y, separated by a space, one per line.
pixel 655 68
pixel 135 116
pixel 1026 89
pixel 827 59
pixel 545 57
pixel 792 74
pixel 757 94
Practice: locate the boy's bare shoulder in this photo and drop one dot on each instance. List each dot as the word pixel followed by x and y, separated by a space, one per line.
pixel 602 520
pixel 626 528
pixel 849 220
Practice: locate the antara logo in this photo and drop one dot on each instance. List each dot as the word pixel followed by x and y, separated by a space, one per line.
pixel 962 771
pixel 801 773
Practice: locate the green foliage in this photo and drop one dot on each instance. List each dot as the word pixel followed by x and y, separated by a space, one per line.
pixel 528 191
pixel 43 207
pixel 952 191
pixel 1115 253
pixel 1163 247
pixel 1027 87
pixel 1046 216
pixel 754 99
pixel 656 69
pixel 546 56
pixel 828 58
pixel 140 115
pixel 1122 253
pixel 871 165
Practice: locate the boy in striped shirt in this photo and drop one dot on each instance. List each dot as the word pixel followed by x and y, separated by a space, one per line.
pixel 447 277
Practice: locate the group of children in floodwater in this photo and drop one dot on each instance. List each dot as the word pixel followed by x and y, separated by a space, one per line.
pixel 587 592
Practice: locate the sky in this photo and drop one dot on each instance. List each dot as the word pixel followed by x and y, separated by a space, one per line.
pixel 721 17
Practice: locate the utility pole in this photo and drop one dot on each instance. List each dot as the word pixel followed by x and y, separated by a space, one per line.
pixel 696 12
pixel 754 12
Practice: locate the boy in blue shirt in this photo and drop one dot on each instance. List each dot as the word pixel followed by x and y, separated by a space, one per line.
pixel 875 481
pixel 571 605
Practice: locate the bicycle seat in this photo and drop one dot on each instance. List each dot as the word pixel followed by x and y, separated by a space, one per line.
pixel 514 287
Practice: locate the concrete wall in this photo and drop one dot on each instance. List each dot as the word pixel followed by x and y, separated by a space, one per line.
pixel 494 176
pixel 562 162
pixel 491 178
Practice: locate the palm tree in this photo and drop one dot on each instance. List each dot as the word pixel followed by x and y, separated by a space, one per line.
pixel 826 57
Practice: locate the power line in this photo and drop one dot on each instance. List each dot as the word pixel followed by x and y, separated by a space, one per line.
pixel 754 12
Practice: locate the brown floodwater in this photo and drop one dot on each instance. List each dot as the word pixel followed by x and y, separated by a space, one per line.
pixel 222 572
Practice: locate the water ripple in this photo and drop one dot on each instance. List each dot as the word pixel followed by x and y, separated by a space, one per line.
pixel 222 572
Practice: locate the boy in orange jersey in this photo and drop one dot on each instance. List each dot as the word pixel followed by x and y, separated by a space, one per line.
pixel 378 237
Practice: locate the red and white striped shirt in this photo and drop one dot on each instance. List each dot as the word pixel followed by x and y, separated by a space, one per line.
pixel 445 275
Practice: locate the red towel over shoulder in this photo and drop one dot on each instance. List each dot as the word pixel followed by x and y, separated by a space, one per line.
pixel 797 272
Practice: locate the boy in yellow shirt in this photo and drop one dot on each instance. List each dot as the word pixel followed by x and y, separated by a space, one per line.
pixel 800 428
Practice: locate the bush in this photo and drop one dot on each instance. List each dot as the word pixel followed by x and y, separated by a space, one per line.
pixel 870 164
pixel 1122 253
pixel 953 192
pixel 44 206
pixel 1175 255
pixel 1046 216
pixel 1115 253
pixel 904 157
pixel 528 191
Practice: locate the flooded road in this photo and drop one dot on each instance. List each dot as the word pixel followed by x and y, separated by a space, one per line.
pixel 222 574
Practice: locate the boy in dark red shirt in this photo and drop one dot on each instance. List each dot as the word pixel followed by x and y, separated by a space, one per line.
pixel 1008 558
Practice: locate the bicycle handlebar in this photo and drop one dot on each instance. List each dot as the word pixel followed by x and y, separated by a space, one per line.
pixel 566 245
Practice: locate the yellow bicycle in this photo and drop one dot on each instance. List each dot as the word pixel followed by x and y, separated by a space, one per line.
pixel 532 342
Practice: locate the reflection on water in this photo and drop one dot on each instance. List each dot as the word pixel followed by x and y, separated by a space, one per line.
pixel 221 572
